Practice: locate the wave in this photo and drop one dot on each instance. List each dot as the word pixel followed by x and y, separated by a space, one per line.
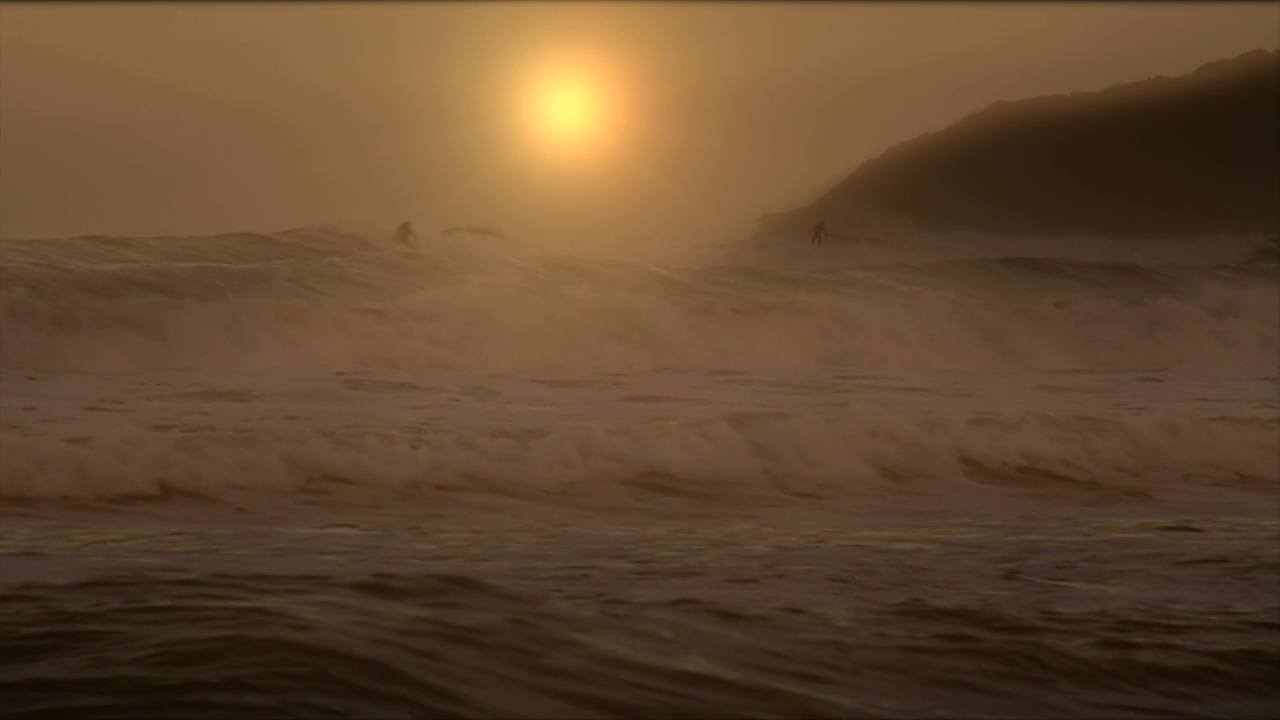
pixel 739 456
pixel 328 297
pixel 168 643
pixel 518 314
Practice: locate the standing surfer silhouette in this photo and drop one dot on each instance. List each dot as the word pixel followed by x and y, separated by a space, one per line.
pixel 819 232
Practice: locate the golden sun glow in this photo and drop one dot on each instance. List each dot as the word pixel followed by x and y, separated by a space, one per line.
pixel 569 110
pixel 572 111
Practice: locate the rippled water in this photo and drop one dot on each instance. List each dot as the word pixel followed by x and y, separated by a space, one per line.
pixel 293 475
pixel 521 614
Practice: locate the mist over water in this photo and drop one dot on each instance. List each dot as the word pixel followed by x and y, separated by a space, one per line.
pixel 311 472
pixel 332 299
pixel 612 464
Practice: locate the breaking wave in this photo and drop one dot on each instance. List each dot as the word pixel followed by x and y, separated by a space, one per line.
pixel 739 457
pixel 325 297
pixel 365 331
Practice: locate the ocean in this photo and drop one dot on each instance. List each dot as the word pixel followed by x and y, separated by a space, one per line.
pixel 310 474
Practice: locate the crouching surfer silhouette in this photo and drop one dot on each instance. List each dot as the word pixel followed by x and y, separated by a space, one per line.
pixel 404 235
pixel 819 232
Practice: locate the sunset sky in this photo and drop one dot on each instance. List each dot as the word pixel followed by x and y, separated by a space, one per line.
pixel 198 118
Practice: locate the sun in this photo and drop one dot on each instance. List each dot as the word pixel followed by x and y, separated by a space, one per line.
pixel 569 109
pixel 572 111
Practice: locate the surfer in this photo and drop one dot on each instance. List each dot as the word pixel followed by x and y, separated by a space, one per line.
pixel 819 232
pixel 404 233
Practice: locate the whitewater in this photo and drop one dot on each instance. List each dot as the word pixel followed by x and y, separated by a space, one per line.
pixel 314 473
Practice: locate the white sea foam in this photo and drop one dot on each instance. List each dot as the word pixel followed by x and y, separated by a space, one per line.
pixel 727 437
pixel 314 359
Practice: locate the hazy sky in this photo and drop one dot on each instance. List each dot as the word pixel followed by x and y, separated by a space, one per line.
pixel 205 117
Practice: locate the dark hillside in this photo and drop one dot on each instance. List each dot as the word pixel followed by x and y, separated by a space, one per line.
pixel 1197 154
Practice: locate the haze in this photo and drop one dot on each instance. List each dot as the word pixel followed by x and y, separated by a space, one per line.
pixel 204 118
